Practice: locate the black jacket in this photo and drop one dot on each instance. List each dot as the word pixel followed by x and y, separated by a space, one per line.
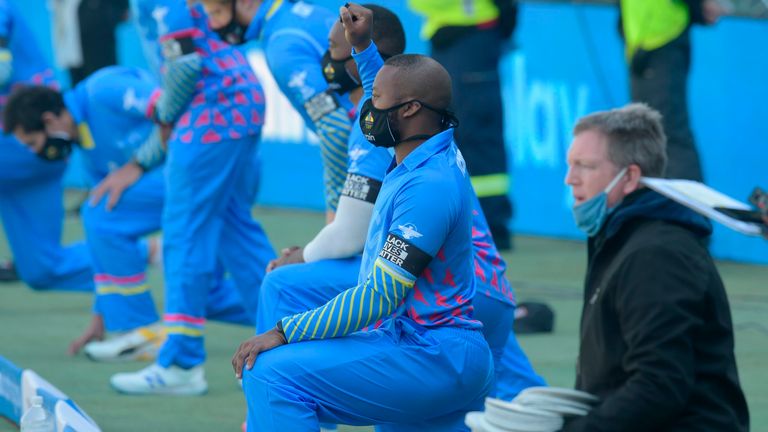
pixel 656 332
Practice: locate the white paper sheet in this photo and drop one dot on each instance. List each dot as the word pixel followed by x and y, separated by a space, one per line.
pixel 702 199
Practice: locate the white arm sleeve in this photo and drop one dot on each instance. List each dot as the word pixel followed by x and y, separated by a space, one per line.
pixel 345 236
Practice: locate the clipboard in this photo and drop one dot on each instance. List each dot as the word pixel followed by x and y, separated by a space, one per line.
pixel 704 200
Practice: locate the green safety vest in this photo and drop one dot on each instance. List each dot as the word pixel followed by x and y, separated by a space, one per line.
pixel 651 24
pixel 442 13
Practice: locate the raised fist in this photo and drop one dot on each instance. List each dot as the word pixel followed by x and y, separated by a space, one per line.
pixel 358 25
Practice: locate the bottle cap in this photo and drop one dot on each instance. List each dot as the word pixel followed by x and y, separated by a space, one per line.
pixel 37 400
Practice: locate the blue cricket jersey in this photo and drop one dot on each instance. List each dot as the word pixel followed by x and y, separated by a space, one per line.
pixel 294 37
pixel 149 16
pixel 372 162
pixel 424 207
pixel 228 102
pixel 111 108
pixel 417 260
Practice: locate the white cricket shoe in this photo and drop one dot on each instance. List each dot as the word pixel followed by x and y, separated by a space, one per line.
pixel 157 380
pixel 140 344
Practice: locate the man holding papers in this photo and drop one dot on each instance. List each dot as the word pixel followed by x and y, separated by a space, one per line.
pixel 656 331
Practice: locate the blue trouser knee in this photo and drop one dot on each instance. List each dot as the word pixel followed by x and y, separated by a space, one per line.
pixel 32 210
pixel 123 296
pixel 514 372
pixel 421 379
pixel 207 220
pixel 296 288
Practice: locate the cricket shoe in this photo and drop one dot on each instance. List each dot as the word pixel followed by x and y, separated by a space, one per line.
pixel 140 344
pixel 157 380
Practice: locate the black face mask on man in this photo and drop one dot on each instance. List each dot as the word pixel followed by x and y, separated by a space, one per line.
pixel 233 33
pixel 380 131
pixel 337 75
pixel 57 146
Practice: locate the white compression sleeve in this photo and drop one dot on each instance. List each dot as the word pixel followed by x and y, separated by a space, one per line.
pixel 345 236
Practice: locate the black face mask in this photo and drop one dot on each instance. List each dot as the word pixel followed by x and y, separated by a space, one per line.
pixel 56 148
pixel 337 76
pixel 232 33
pixel 378 129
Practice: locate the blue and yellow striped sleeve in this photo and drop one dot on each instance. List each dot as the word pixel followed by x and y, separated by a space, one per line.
pixel 180 77
pixel 152 152
pixel 354 309
pixel 333 130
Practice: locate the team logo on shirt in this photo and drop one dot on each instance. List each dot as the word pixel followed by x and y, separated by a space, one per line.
pixel 303 10
pixel 368 121
pixel 409 231
pixel 357 153
pixel 298 81
pixel 131 101
pixel 354 155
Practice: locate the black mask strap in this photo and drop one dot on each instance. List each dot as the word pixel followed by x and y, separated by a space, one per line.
pixel 448 119
pixel 423 137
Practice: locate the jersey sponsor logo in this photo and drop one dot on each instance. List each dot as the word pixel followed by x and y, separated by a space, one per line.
pixel 321 105
pixel 409 231
pixel 405 255
pixel 361 188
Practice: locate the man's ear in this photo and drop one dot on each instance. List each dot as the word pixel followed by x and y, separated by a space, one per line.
pixel 634 173
pixel 412 108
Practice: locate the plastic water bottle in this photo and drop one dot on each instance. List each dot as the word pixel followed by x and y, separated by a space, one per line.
pixel 37 419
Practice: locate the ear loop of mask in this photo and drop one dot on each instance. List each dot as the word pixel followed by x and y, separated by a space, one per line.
pixel 447 121
pixel 615 180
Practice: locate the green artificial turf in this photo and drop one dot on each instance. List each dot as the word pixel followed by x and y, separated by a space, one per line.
pixel 36 327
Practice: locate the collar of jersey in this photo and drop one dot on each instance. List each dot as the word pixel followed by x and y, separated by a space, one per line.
pixel 78 115
pixel 266 11
pixel 74 108
pixel 427 149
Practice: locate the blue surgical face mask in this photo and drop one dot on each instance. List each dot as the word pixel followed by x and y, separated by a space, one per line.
pixel 590 215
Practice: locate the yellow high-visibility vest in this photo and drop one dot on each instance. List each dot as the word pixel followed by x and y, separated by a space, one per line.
pixel 442 13
pixel 651 24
